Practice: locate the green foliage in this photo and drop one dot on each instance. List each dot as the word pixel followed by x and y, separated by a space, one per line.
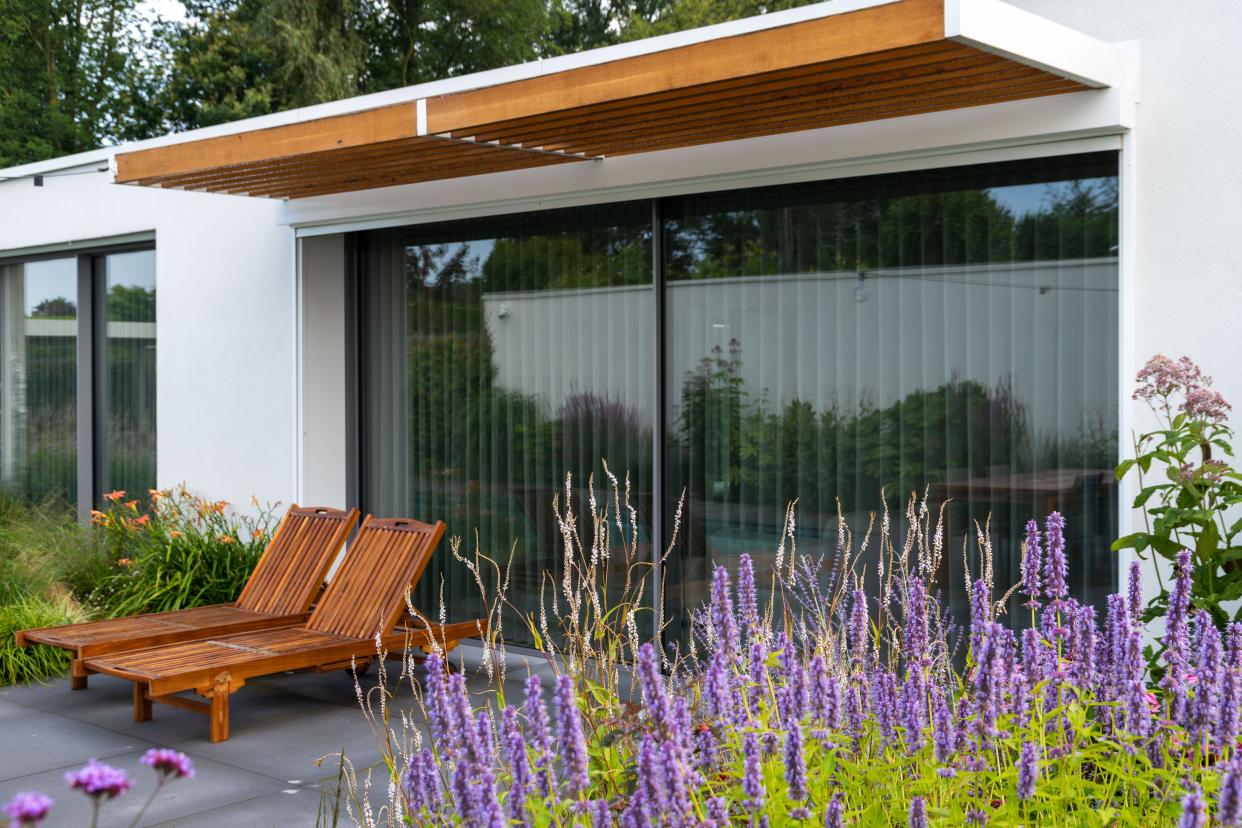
pixel 182 551
pixel 1189 500
pixel 74 74
pixel 20 665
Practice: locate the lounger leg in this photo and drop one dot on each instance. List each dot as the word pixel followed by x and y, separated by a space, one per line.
pixel 142 704
pixel 77 675
pixel 220 716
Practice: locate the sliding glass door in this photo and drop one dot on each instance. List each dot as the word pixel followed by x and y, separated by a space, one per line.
pixel 837 344
pixel 500 356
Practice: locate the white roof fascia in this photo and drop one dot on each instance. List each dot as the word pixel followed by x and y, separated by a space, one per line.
pixel 1002 29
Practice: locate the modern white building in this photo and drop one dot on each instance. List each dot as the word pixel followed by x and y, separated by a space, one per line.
pixel 864 243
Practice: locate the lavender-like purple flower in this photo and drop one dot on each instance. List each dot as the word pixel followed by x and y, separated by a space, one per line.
pixel 718 689
pixel 912 714
pixel 918 813
pixel 1194 811
pixel 1135 595
pixel 795 763
pixel 747 595
pixel 834 814
pixel 168 762
pixel 718 812
pixel 1032 564
pixel 1209 668
pixel 601 816
pixel 917 638
pixel 723 620
pixel 942 728
pixel 571 740
pixel 860 631
pixel 1229 804
pixel 1028 770
pixel 651 795
pixel 752 772
pixel 758 667
pixel 1176 637
pixel 422 783
pixel 1230 708
pixel 28 808
pixel 438 710
pixel 655 699
pixel 99 780
pixel 519 764
pixel 539 729
pixel 1056 567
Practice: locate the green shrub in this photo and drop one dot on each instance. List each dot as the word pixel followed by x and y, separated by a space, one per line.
pixel 181 551
pixel 36 662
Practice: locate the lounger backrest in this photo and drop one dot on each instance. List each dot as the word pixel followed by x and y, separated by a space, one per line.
pixel 367 593
pixel 292 568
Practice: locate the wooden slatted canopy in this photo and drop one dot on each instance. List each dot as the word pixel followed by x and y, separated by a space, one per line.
pixel 878 59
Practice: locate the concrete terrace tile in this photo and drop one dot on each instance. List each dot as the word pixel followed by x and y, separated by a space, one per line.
pixel 288 807
pixel 214 785
pixel 35 741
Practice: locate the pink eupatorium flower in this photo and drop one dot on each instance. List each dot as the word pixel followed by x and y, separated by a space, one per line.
pixel 28 808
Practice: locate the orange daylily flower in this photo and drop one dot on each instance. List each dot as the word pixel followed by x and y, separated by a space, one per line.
pixel 115 496
pixel 174 534
pixel 226 539
pixel 123 562
pixel 142 521
pixel 131 505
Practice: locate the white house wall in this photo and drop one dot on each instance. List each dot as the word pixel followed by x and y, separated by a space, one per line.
pixel 224 310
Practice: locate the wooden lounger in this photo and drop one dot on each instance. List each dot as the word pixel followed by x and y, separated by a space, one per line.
pixel 279 592
pixel 357 611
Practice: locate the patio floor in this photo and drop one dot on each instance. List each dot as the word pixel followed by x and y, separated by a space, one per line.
pixel 264 775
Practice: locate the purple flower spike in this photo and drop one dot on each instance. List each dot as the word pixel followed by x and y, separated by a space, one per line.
pixel 942 727
pixel 1032 565
pixel 1229 807
pixel 1176 637
pixel 918 813
pixel 752 772
pixel 99 780
pixel 28 808
pixel 423 783
pixel 540 733
pixel 519 765
pixel 1028 770
pixel 860 631
pixel 747 595
pixel 169 762
pixel 723 620
pixel 655 699
pixel 1194 812
pixel 572 741
pixel 1056 568
pixel 834 814
pixel 1135 597
pixel 795 763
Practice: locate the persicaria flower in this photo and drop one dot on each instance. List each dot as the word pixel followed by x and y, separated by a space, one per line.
pixel 28 808
pixel 99 780
pixel 168 762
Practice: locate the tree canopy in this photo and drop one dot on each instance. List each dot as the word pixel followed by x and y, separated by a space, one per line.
pixel 78 74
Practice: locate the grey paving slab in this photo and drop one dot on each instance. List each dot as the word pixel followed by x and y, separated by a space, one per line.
pixel 214 785
pixel 292 806
pixel 35 741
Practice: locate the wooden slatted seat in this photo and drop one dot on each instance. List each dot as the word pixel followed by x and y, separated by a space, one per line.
pixel 362 604
pixel 279 592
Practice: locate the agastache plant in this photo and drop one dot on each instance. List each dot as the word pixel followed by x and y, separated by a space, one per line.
pixel 854 704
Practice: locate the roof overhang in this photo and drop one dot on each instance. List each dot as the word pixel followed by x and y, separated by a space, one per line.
pixel 841 62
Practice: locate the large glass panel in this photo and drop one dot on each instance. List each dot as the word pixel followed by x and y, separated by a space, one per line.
pixel 127 387
pixel 38 378
pixel 952 331
pixel 498 355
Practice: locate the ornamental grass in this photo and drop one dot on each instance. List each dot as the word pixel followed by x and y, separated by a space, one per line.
pixel 842 700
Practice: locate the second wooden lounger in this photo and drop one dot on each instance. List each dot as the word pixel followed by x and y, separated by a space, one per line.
pixel 364 601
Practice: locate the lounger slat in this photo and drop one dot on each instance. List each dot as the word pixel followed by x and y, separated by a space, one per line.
pixel 290 573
